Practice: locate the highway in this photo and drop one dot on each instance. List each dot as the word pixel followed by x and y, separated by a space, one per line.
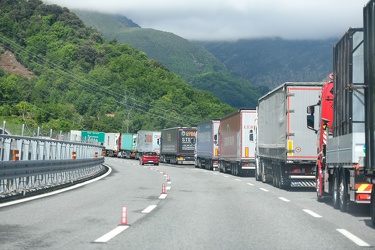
pixel 200 209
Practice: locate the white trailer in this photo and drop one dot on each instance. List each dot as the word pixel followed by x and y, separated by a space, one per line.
pixel 237 142
pixel 147 141
pixel 286 150
pixel 110 143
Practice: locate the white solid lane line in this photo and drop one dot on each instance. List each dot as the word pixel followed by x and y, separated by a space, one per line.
pixel 108 236
pixel 353 238
pixel 312 213
pixel 57 191
pixel 149 209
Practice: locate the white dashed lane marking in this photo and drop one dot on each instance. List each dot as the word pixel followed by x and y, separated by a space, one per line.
pixel 284 199
pixel 162 196
pixel 353 238
pixel 313 214
pixel 108 236
pixel 149 209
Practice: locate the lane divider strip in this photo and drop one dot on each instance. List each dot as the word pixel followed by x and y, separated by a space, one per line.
pixel 149 209
pixel 313 214
pixel 284 199
pixel 108 236
pixel 353 238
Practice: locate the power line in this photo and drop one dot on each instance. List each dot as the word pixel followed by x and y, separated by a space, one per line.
pixel 139 105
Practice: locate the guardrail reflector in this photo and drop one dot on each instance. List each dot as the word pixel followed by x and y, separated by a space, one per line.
pixel 15 153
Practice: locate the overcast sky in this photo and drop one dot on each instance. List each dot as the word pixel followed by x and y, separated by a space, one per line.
pixel 235 19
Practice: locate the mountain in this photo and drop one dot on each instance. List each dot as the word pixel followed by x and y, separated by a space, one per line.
pixel 251 65
pixel 188 60
pixel 273 61
pixel 57 73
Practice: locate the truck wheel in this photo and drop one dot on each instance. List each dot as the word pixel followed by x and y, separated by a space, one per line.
pixel 256 171
pixel 274 181
pixel 257 178
pixel 343 191
pixel 264 178
pixel 335 191
pixel 372 206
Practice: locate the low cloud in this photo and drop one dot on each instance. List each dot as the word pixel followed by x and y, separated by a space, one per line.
pixel 235 19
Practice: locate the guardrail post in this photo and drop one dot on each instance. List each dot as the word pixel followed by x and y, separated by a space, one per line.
pixel 6 145
pixel 41 150
pixel 34 151
pixel 74 155
pixel 53 150
pixel 25 150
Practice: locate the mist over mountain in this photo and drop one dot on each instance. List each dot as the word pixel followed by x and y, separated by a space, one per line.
pixel 273 61
pixel 191 61
pixel 238 72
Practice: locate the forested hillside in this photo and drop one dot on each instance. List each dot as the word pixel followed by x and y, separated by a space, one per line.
pixel 191 61
pixel 271 62
pixel 81 81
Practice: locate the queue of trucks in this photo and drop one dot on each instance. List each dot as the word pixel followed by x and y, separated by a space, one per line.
pixel 274 141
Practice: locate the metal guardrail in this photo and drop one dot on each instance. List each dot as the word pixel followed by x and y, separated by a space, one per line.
pixel 28 164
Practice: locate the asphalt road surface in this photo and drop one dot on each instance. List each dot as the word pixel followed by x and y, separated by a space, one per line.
pixel 181 207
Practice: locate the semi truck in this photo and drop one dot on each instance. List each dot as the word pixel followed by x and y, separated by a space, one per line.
pixel 177 145
pixel 341 126
pixel 286 150
pixel 207 146
pixel 237 132
pixel 147 141
pixel 369 78
pixel 110 144
pixel 127 145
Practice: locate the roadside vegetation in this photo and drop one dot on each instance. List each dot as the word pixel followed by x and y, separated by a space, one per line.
pixel 82 81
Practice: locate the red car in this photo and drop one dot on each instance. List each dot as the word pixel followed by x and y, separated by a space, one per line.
pixel 149 158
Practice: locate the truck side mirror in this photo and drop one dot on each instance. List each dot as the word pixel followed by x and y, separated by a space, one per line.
pixel 311 109
pixel 310 122
pixel 158 141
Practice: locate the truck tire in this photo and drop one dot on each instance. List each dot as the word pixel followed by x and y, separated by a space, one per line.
pixel 264 178
pixel 257 177
pixel 257 170
pixel 274 178
pixel 335 190
pixel 372 207
pixel 343 191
